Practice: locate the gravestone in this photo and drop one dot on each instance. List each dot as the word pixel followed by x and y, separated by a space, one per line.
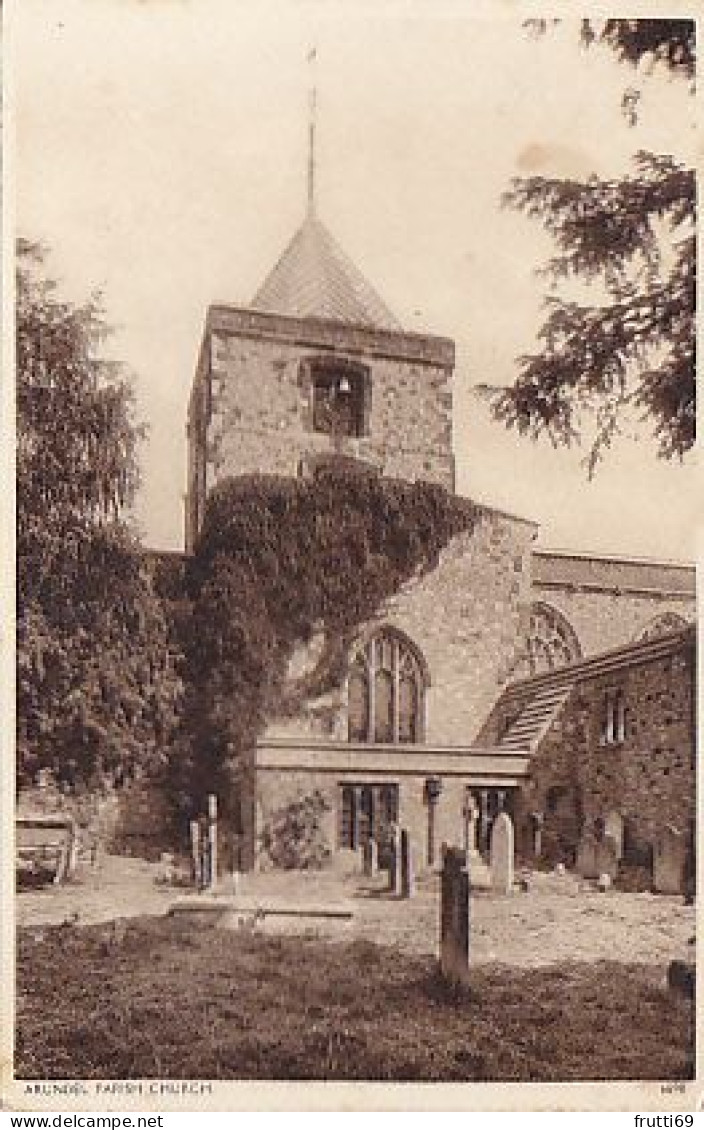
pixel 613 826
pixel 408 878
pixel 537 820
pixel 607 857
pixel 196 857
pixel 587 863
pixel 479 873
pixel 395 859
pixel 454 915
pixel 669 862
pixel 212 878
pixel 370 857
pixel 471 815
pixel 501 854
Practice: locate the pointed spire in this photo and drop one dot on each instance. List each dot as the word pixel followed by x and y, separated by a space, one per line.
pixel 314 278
pixel 312 113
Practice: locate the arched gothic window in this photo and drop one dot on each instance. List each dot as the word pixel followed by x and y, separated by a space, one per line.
pixel 661 625
pixel 386 691
pixel 552 641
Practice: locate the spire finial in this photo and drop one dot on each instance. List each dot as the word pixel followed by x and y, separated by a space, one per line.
pixel 312 109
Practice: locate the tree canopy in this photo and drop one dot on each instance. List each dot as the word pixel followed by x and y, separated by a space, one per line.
pixel 634 347
pixel 97 687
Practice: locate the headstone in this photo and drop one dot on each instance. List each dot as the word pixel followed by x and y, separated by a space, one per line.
pixel 212 841
pixel 370 857
pixel 669 862
pixel 682 978
pixel 479 873
pixel 502 854
pixel 471 815
pixel 408 878
pixel 607 857
pixel 196 852
pixel 613 826
pixel 537 820
pixel 454 915
pixel 587 865
pixel 395 860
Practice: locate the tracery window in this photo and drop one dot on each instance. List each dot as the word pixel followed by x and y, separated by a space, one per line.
pixel 661 625
pixel 385 691
pixel 552 641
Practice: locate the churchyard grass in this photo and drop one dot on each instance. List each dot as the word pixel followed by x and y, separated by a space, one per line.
pixel 162 997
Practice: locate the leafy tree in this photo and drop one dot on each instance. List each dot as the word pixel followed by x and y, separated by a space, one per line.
pixel 672 42
pixel 97 688
pixel 635 237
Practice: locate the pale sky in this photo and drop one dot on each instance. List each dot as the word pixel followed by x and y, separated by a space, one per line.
pixel 161 154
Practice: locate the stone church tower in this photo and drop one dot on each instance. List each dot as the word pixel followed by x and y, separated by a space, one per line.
pixel 316 366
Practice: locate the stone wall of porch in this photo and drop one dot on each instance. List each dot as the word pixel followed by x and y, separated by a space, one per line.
pixel 431 784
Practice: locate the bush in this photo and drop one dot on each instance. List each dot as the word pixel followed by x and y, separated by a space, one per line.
pixel 293 836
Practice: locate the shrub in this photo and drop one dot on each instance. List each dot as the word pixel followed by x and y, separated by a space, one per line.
pixel 293 836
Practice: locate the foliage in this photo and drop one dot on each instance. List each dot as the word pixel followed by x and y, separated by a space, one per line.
pixel 278 561
pixel 293 838
pixel 634 349
pixel 670 42
pixel 96 689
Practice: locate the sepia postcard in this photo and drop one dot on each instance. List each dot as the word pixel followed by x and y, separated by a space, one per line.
pixel 350 711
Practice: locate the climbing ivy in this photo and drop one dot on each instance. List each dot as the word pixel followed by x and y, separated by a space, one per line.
pixel 278 561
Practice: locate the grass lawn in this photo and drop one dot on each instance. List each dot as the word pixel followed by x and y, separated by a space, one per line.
pixel 166 999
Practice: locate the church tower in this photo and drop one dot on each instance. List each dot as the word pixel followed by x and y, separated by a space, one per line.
pixel 316 367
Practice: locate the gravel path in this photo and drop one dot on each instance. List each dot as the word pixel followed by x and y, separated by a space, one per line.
pixel 558 919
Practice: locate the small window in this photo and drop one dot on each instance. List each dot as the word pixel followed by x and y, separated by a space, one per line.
pixel 613 729
pixel 366 812
pixel 339 397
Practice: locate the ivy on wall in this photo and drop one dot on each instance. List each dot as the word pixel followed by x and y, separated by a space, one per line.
pixel 279 561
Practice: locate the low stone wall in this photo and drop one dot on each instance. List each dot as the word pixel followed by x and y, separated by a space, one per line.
pixel 134 821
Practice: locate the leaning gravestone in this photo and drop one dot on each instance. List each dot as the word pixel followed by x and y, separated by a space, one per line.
pixel 669 861
pixel 502 854
pixel 408 879
pixel 454 915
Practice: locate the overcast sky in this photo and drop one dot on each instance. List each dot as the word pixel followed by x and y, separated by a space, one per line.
pixel 161 155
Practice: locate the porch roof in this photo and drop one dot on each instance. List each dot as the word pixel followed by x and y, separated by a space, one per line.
pixel 480 766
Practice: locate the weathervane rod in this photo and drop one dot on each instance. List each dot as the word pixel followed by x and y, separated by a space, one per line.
pixel 312 110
